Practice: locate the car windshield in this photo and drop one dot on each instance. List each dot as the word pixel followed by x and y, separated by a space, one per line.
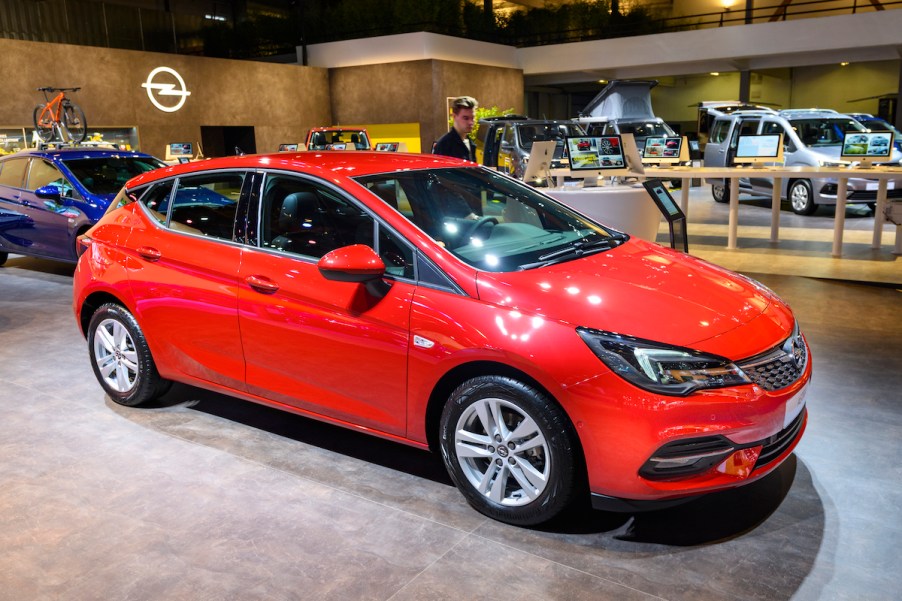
pixel 106 175
pixel 645 129
pixel 546 132
pixel 339 139
pixel 827 131
pixel 877 124
pixel 488 220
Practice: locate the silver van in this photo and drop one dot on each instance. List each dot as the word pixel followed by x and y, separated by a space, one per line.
pixel 812 138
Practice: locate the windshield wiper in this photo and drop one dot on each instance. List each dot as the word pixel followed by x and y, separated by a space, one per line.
pixel 575 250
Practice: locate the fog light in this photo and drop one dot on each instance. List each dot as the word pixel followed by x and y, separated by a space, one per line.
pixel 684 458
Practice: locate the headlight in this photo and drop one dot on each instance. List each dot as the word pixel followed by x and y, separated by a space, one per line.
pixel 664 369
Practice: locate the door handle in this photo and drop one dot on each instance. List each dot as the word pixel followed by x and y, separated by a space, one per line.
pixel 149 253
pixel 261 284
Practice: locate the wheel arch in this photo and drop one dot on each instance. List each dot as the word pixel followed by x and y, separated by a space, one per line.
pixel 467 371
pixel 92 302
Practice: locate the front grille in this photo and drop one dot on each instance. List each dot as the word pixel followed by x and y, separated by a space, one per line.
pixel 779 442
pixel 778 367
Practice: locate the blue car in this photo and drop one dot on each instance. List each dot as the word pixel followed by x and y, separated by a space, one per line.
pixel 50 197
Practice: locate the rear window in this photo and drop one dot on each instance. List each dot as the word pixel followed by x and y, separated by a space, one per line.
pixel 106 175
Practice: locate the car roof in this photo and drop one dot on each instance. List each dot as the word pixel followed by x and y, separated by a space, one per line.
pixel 326 164
pixel 76 153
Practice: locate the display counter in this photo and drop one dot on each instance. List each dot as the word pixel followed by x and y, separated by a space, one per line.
pixel 625 208
pixel 777 173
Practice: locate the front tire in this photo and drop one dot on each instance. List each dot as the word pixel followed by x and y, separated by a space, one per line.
pixel 121 358
pixel 74 123
pixel 3 257
pixel 43 123
pixel 801 197
pixel 720 192
pixel 511 450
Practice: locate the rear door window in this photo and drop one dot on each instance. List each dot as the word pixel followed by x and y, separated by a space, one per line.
pixel 206 204
pixel 12 172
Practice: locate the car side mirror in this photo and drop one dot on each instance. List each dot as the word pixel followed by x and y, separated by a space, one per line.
pixel 357 263
pixel 48 193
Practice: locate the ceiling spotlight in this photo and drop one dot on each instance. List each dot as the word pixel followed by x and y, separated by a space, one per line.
pixel 844 64
pixel 715 73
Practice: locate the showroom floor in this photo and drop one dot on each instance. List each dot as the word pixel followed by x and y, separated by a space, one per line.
pixel 208 498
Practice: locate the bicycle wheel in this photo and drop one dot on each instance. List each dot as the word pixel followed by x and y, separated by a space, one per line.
pixel 74 123
pixel 43 123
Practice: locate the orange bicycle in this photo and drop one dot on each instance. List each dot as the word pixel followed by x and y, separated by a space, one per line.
pixel 60 116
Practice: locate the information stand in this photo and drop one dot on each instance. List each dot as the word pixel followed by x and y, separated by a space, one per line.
pixel 676 219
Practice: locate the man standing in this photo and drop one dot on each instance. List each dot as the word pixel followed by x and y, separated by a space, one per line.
pixel 455 143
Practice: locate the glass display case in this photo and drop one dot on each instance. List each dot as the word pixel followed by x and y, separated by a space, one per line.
pixel 12 139
pixel 125 137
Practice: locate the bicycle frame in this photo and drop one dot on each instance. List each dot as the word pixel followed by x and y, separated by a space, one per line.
pixel 55 106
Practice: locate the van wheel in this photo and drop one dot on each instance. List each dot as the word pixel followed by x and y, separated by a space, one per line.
pixel 801 198
pixel 720 192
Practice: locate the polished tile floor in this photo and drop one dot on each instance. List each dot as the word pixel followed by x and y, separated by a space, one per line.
pixel 207 498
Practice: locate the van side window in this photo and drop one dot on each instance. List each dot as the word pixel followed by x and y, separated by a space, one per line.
pixel 771 127
pixel 719 132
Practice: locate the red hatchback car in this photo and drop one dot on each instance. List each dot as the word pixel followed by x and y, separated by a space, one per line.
pixel 446 306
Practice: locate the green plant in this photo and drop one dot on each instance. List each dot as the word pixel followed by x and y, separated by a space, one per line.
pixel 482 113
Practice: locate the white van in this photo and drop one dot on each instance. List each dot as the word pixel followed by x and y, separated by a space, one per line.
pixel 812 138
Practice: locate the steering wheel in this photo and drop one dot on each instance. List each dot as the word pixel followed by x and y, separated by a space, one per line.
pixel 472 227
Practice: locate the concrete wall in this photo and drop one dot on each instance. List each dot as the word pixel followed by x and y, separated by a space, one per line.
pixel 280 101
pixel 416 91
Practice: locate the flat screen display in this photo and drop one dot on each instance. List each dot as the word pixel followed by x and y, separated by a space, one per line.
pixel 184 159
pixel 288 147
pixel 177 149
pixel 594 153
pixel 763 146
pixel 857 145
pixel 387 146
pixel 662 148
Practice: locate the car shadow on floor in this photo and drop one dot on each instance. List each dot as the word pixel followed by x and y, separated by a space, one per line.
pixel 309 431
pixel 710 518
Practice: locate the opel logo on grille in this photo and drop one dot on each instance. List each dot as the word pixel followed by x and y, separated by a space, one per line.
pixel 795 351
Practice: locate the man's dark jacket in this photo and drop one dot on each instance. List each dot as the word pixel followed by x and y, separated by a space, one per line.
pixel 452 145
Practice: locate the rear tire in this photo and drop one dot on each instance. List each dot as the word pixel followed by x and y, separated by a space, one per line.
pixel 74 123
pixel 801 197
pixel 43 123
pixel 3 257
pixel 510 449
pixel 121 358
pixel 720 192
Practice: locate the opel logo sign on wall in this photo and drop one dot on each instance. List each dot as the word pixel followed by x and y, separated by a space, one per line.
pixel 164 94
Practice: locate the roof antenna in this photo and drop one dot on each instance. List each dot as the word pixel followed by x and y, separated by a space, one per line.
pixel 239 152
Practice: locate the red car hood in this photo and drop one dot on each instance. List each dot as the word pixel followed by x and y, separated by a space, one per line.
pixel 643 290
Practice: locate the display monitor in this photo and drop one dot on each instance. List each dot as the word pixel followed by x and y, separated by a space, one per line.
pixel 176 150
pixel 631 154
pixel 387 146
pixel 595 153
pixel 184 159
pixel 863 147
pixel 288 147
pixel 662 150
pixel 759 149
pixel 539 165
